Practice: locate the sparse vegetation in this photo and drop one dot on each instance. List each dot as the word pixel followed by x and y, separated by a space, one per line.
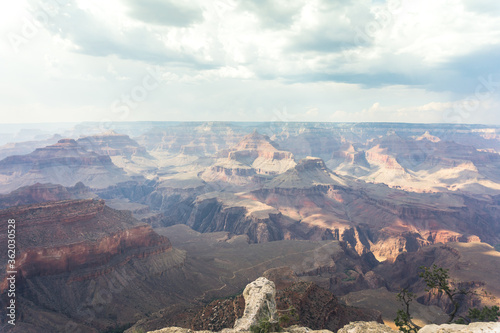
pixel 286 315
pixel 267 325
pixel 404 320
pixel 437 281
pixel 485 314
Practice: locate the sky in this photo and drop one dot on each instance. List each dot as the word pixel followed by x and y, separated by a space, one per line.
pixel 426 61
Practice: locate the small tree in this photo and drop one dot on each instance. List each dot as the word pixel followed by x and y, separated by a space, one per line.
pixel 437 280
pixel 485 314
pixel 404 320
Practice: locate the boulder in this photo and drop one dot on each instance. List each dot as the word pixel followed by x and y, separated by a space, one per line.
pixel 260 304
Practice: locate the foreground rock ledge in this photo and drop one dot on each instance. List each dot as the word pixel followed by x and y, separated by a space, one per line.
pixel 260 302
pixel 367 327
pixel 471 328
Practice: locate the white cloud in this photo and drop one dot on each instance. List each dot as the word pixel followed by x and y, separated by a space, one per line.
pixel 353 61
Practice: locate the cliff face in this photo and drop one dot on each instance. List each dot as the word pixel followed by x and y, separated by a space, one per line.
pixel 68 236
pixel 212 215
pixel 39 193
pixel 333 200
pixel 311 202
pixel 65 163
pixel 78 257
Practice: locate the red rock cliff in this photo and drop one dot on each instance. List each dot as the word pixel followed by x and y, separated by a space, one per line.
pixel 76 235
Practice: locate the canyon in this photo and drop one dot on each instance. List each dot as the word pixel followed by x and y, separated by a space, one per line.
pixel 192 211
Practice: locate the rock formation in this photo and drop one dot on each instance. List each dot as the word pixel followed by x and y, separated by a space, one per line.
pixel 370 327
pixel 452 328
pixel 84 264
pixel 64 163
pixel 260 304
pixel 39 193
pixel 366 327
pixel 113 144
pixel 316 308
pixel 77 235
pixel 379 189
pixel 254 155
pixel 472 266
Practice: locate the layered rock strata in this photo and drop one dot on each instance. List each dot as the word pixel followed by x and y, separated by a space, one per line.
pixel 80 262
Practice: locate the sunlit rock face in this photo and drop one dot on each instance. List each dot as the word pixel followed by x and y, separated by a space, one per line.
pixel 254 155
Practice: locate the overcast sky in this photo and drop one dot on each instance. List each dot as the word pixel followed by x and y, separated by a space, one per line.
pixel 240 60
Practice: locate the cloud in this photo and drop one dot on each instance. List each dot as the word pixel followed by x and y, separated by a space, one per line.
pixel 273 14
pixel 94 31
pixel 332 27
pixel 164 12
pixel 233 56
pixel 483 6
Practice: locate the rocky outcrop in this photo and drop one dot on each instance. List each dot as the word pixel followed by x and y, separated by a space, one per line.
pixel 316 308
pixel 471 328
pixel 309 172
pixel 370 327
pixel 366 327
pixel 260 304
pixel 219 314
